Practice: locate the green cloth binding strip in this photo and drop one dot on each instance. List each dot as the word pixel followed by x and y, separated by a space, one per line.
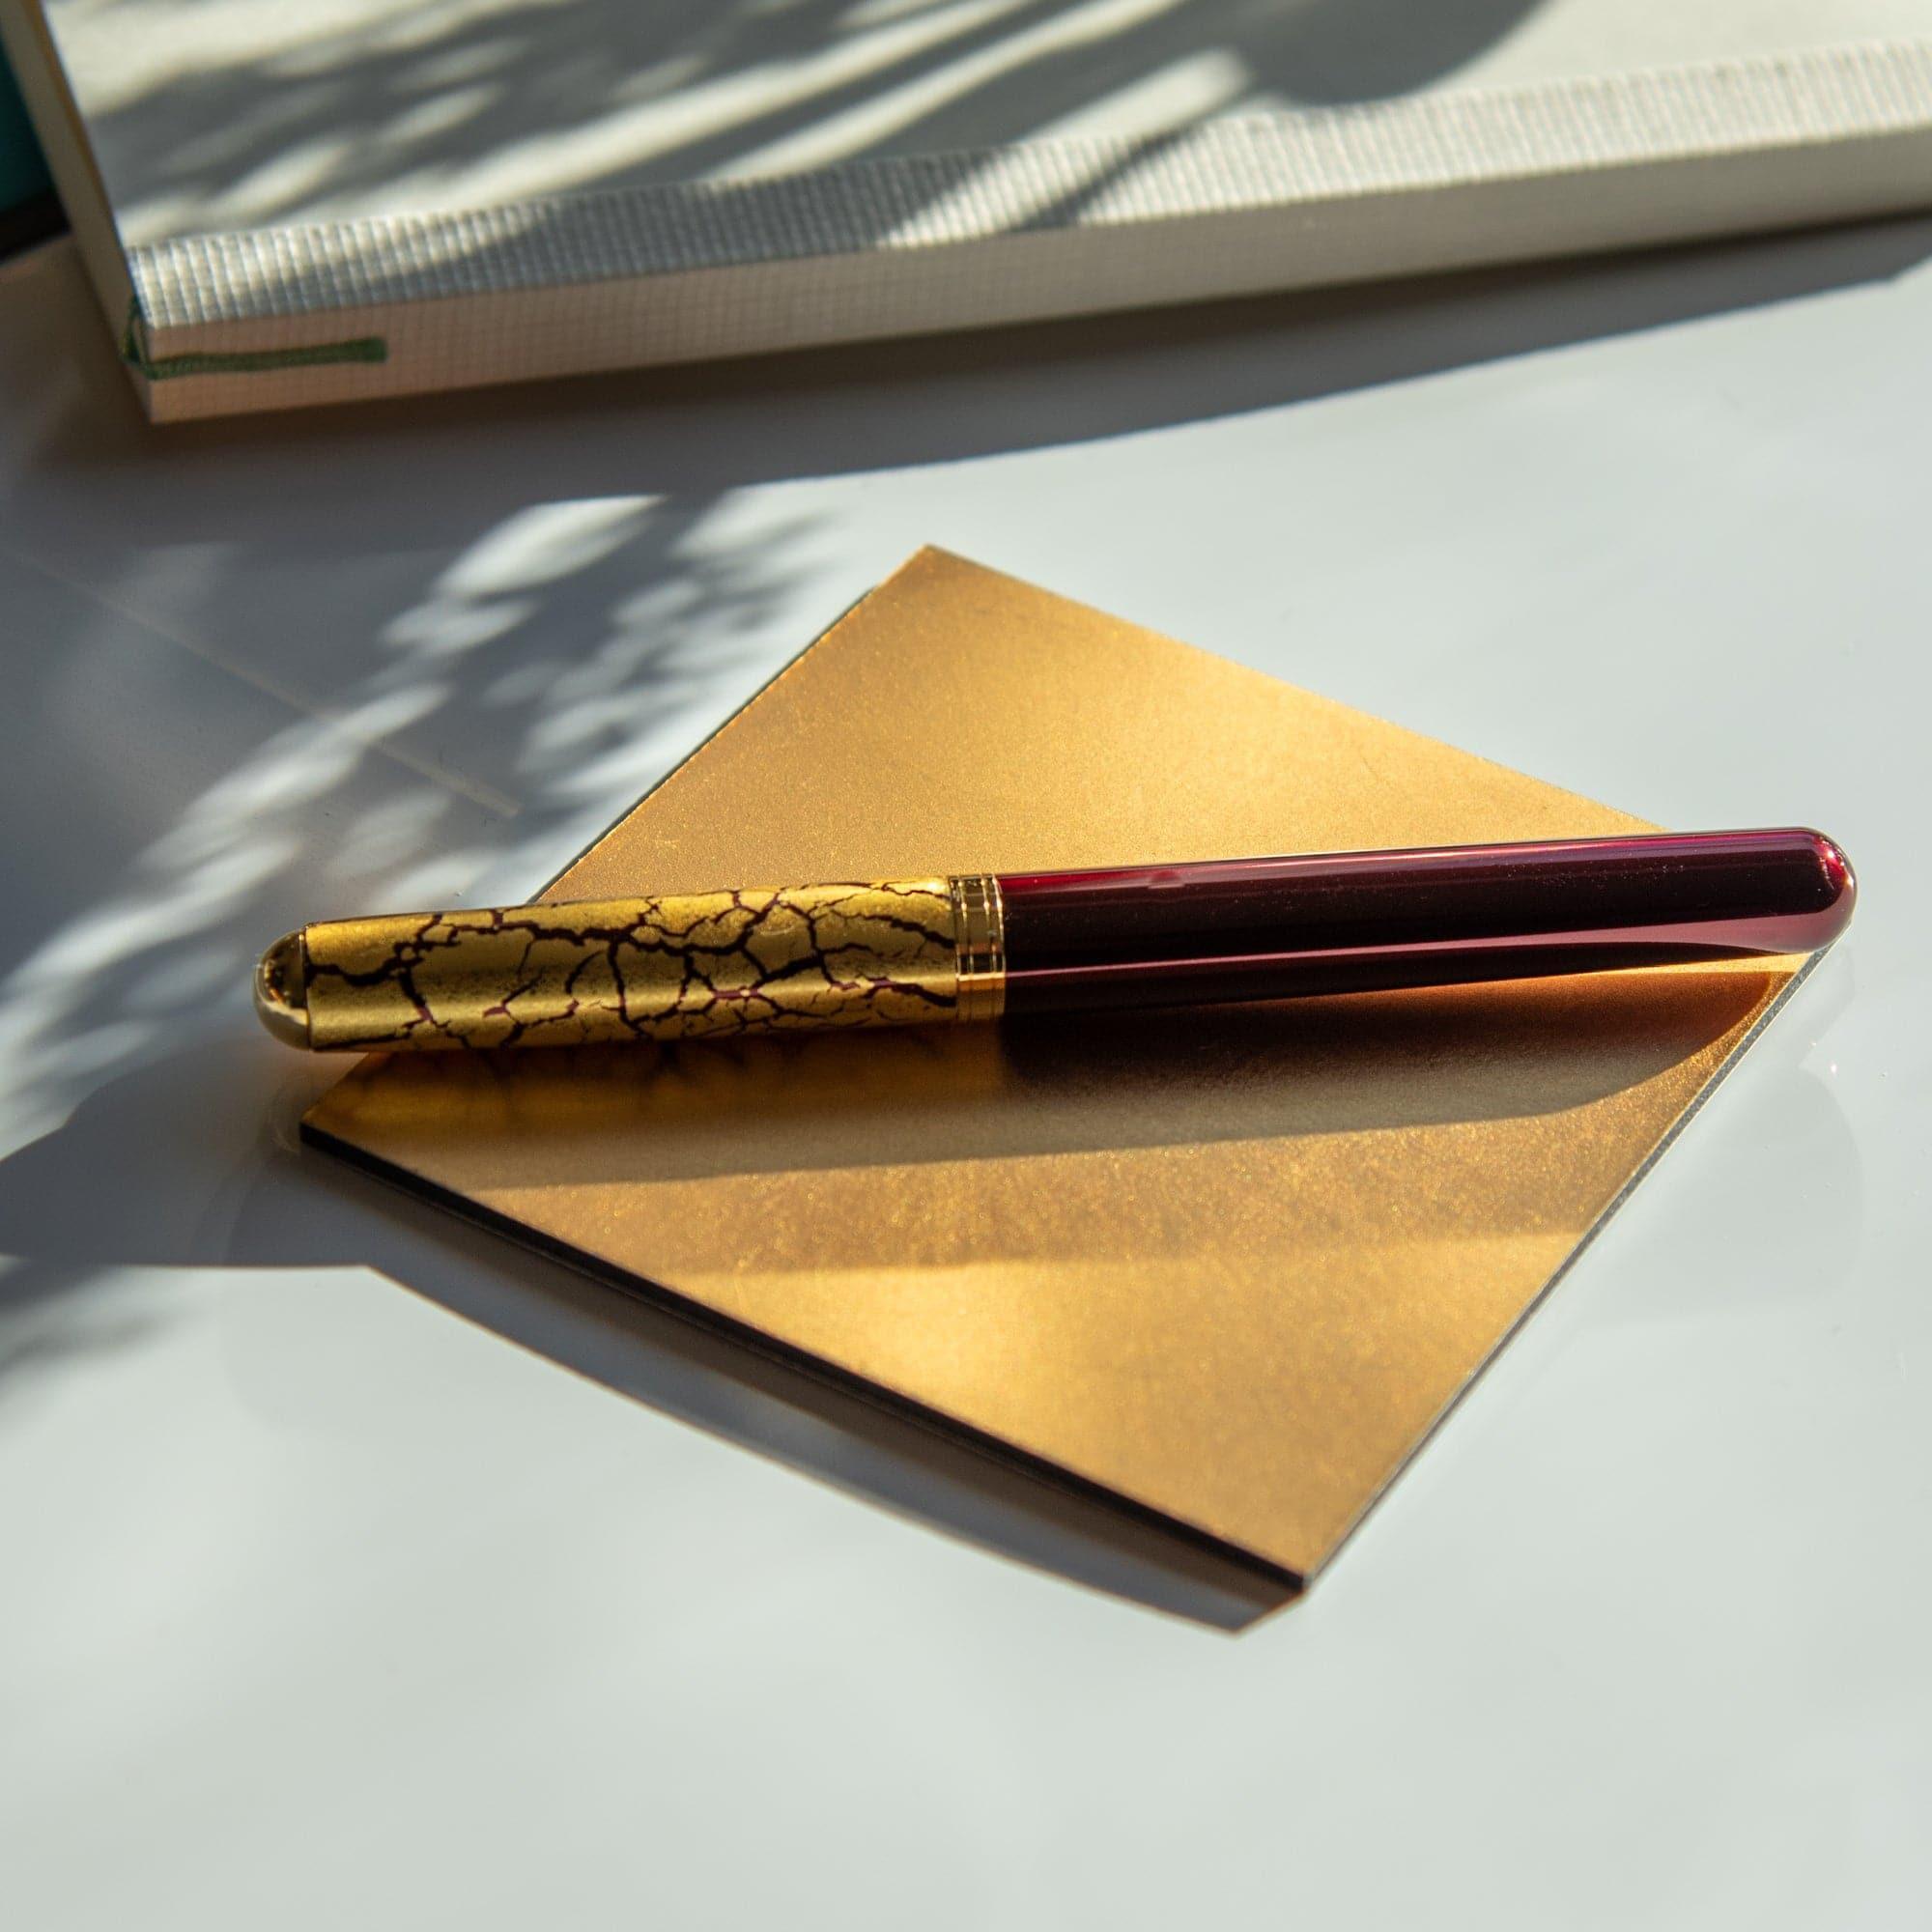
pixel 239 362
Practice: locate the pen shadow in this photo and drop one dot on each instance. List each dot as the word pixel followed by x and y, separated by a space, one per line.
pixel 1011 1094
pixel 995 1099
pixel 520 1123
pixel 272 1206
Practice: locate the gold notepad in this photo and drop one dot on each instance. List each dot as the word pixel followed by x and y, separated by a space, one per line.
pixel 1229 1264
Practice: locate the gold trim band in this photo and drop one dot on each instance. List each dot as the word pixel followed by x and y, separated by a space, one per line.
pixel 980 941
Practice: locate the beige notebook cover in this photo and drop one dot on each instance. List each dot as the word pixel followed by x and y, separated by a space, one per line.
pixel 288 204
pixel 1231 1265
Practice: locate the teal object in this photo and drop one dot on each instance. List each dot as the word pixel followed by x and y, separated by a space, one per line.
pixel 23 174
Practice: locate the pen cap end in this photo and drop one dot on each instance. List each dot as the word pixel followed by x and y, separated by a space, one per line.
pixel 1840 886
pixel 281 990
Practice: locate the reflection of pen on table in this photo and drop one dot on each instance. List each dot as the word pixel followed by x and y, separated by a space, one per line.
pixel 973 947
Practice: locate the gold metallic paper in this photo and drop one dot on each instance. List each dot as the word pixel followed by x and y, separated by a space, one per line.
pixel 1232 1265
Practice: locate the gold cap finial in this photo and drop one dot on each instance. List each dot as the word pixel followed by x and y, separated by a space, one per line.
pixel 281 989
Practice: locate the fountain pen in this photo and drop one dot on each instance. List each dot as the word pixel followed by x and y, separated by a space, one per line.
pixel 980 945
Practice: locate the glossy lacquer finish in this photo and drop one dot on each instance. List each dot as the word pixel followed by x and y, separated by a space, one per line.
pixel 1268 928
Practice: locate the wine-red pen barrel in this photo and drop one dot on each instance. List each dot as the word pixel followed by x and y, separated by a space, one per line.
pixel 1353 922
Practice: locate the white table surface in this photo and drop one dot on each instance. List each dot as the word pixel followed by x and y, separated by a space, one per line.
pixel 325 1603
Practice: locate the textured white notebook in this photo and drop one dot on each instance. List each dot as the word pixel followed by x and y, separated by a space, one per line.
pixel 287 205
